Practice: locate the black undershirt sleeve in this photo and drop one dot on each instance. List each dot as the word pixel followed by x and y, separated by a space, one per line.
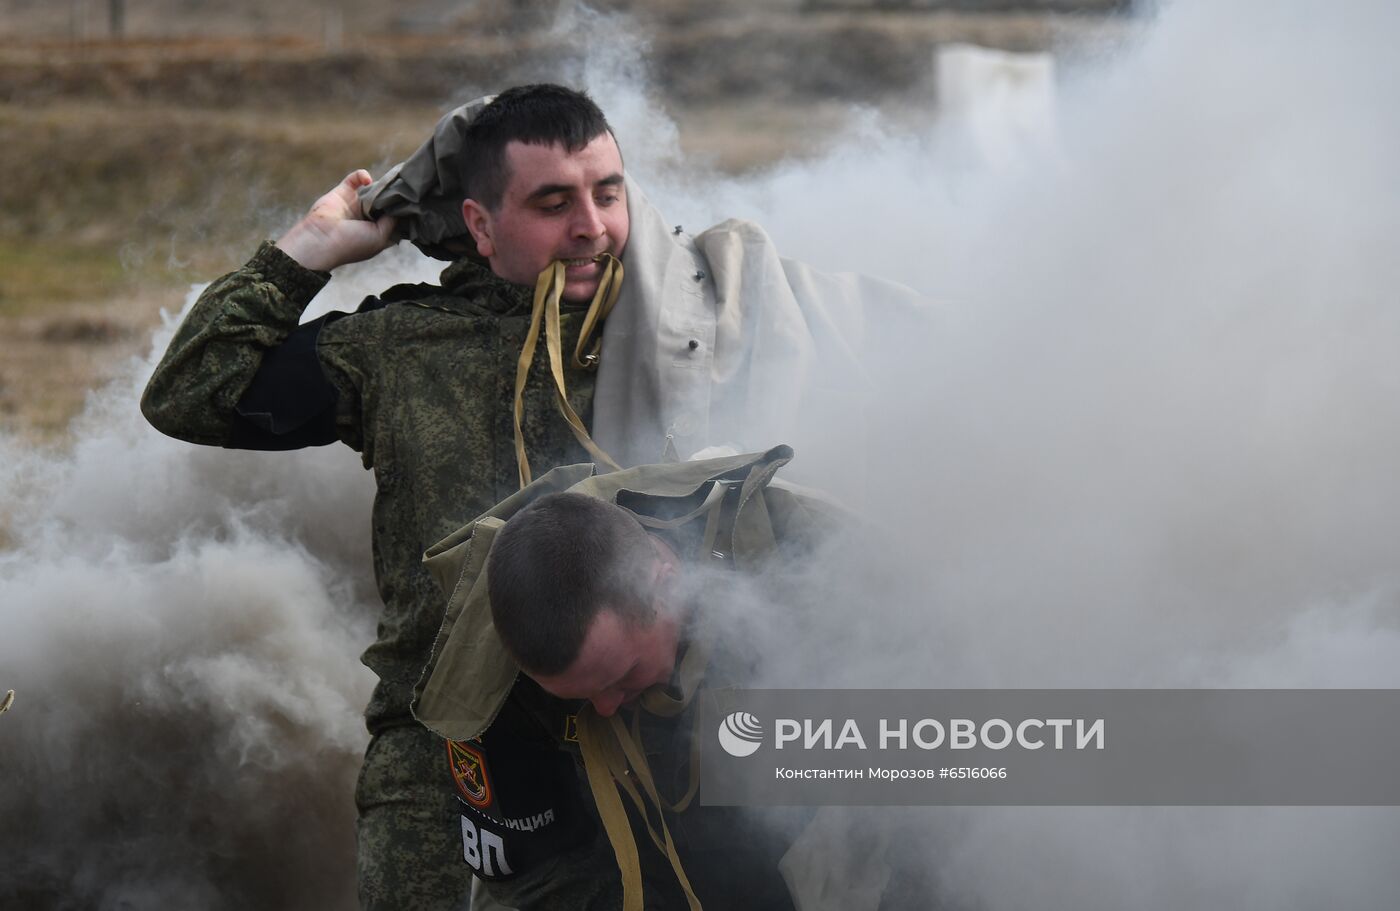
pixel 289 404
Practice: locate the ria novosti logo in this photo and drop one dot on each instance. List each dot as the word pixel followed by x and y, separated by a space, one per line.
pixel 741 734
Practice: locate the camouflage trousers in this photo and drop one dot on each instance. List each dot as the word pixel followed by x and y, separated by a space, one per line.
pixel 409 839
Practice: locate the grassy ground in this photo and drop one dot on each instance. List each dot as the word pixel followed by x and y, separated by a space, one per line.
pixel 36 277
pixel 122 206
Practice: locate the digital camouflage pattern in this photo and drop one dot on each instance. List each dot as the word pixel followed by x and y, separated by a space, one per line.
pixel 425 385
pixel 405 803
pixel 424 377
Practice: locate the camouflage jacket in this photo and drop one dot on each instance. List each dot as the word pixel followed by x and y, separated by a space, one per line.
pixel 419 381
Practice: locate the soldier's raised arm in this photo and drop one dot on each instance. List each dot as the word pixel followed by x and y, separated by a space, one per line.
pixel 249 318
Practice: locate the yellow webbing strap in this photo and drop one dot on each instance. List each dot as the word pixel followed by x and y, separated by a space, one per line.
pixel 595 744
pixel 548 289
pixel 613 757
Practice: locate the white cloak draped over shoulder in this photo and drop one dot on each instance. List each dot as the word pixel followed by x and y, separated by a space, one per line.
pixel 717 341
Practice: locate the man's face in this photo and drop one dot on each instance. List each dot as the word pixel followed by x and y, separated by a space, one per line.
pixel 556 205
pixel 619 660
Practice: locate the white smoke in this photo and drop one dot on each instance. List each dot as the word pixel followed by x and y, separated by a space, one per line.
pixel 181 627
pixel 1151 419
pixel 1148 445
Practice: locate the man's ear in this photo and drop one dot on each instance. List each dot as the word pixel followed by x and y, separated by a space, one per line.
pixel 667 574
pixel 479 224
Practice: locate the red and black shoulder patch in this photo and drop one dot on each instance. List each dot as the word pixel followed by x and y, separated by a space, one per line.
pixel 468 765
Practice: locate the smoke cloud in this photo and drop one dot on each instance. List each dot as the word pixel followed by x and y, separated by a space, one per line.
pixel 181 627
pixel 1146 444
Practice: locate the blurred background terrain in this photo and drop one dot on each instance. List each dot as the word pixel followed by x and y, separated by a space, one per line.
pixel 152 143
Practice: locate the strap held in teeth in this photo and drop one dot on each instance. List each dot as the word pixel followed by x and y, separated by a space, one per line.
pixel 549 288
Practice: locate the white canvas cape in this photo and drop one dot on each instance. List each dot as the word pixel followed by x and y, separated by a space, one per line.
pixel 717 341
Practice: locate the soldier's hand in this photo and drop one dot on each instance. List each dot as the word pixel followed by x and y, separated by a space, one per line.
pixel 335 231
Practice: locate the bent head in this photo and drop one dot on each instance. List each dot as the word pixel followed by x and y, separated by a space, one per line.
pixel 618 661
pixel 544 182
pixel 582 597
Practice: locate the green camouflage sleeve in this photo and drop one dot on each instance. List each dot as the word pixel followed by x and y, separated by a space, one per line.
pixel 219 346
pixel 350 353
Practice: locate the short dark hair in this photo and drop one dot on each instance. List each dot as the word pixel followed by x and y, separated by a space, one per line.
pixel 538 114
pixel 554 567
